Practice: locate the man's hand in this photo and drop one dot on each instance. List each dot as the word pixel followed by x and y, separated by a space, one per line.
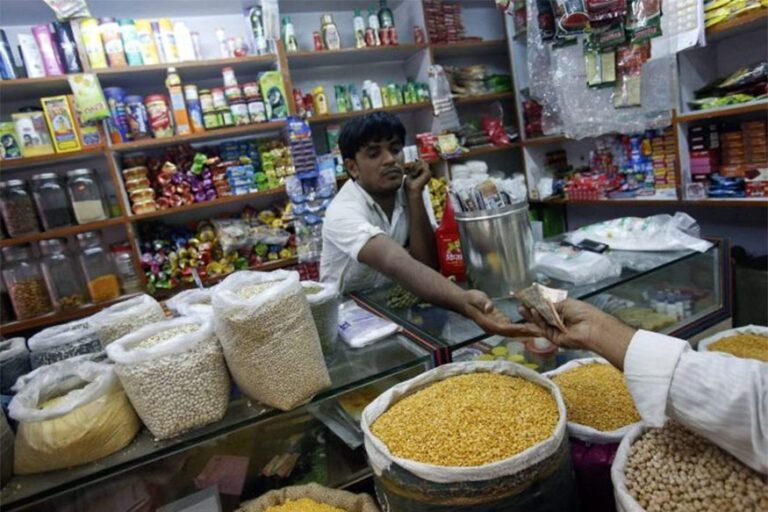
pixel 586 328
pixel 479 308
pixel 417 175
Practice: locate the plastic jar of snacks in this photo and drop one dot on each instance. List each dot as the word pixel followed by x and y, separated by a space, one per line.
pixel 64 278
pixel 25 283
pixel 121 253
pixel 51 200
pixel 100 274
pixel 86 196
pixel 17 208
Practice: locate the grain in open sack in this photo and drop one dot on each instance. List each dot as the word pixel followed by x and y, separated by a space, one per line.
pixel 62 342
pixel 116 321
pixel 311 497
pixel 324 303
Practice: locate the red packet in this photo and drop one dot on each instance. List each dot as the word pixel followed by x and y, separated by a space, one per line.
pixel 226 472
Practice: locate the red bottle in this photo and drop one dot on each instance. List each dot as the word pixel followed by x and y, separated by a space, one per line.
pixel 449 245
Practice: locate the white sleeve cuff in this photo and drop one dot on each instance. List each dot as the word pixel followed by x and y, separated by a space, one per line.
pixel 649 365
pixel 358 241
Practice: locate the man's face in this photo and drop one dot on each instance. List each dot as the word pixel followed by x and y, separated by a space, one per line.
pixel 378 166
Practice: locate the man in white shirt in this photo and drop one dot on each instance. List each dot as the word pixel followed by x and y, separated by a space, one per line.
pixel 379 213
pixel 722 398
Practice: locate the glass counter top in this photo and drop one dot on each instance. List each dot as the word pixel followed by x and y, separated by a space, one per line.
pixel 452 330
pixel 349 369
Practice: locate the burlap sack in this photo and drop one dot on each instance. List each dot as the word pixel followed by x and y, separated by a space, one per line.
pixel 333 497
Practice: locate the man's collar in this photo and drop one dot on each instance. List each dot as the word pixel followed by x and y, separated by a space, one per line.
pixel 371 202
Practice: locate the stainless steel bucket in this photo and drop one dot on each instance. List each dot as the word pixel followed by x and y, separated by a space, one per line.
pixel 498 249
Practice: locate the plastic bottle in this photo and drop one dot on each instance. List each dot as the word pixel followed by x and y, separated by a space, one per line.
pixel 168 37
pixel 449 245
pixel 331 38
pixel 221 37
pixel 373 24
pixel 386 18
pixel 178 105
pixel 341 99
pixel 358 24
pixel 354 98
pixel 289 35
pixel 320 100
pixel 375 93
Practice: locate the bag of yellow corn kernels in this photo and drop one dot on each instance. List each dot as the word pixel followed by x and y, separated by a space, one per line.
pixel 704 344
pixel 340 499
pixel 584 432
pixel 537 479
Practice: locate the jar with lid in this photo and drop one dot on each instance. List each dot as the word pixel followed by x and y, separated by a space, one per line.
pixel 25 283
pixel 121 254
pixel 51 201
pixel 17 208
pixel 100 273
pixel 65 280
pixel 6 308
pixel 85 193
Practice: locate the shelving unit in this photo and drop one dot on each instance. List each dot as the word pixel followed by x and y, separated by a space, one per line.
pixel 728 111
pixel 483 98
pixel 751 20
pixel 62 232
pixel 54 158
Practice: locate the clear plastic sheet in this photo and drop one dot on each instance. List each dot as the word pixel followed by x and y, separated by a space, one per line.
pixel 558 80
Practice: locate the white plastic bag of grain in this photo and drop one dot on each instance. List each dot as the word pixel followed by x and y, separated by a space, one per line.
pixel 536 479
pixel 704 344
pixel 333 497
pixel 584 432
pixel 174 373
pixel 14 362
pixel 269 337
pixel 68 415
pixel 126 317
pixel 191 302
pixel 22 381
pixel 624 500
pixel 324 301
pixel 63 341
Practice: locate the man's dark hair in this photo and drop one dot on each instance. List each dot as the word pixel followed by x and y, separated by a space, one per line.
pixel 372 127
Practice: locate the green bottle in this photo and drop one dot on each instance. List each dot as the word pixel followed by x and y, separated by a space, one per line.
pixel 386 18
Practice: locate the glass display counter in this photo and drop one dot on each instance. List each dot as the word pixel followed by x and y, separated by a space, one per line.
pixel 679 293
pixel 253 449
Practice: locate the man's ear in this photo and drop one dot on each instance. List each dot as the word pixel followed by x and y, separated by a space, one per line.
pixel 351 166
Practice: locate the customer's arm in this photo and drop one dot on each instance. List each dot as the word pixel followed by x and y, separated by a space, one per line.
pixel 721 398
pixel 421 237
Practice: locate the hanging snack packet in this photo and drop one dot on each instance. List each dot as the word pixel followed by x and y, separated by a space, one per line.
pixel 543 300
pixel 629 62
pixel 644 20
pixel 571 19
pixel 546 20
pixel 605 11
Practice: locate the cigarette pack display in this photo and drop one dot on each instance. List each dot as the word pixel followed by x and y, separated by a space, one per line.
pixel 32 133
pixel 61 124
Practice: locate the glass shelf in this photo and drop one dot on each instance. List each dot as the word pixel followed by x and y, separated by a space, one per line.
pixel 446 331
pixel 349 369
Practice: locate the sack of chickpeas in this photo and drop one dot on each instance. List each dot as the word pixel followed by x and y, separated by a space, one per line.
pixel 174 373
pixel 191 302
pixel 672 468
pixel 476 436
pixel 598 403
pixel 269 338
pixel 61 342
pixel 70 414
pixel 324 303
pixel 116 321
pixel 308 498
pixel 749 342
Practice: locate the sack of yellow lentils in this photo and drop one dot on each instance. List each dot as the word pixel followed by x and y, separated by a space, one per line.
pixel 599 406
pixel 310 498
pixel 70 414
pixel 475 436
pixel 749 342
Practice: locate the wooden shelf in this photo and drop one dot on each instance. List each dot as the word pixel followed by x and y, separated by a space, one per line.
pixel 760 202
pixel 349 115
pixel 482 98
pixel 221 133
pixel 751 20
pixel 62 232
pixel 53 158
pixel 469 48
pixel 33 88
pixel 545 139
pixel 57 318
pixel 207 204
pixel 479 151
pixel 731 110
pixel 353 56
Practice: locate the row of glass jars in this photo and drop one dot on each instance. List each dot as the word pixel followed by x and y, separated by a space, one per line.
pixel 55 203
pixel 56 282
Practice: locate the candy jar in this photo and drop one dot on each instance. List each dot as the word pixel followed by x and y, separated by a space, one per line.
pixel 100 273
pixel 64 278
pixel 17 208
pixel 25 283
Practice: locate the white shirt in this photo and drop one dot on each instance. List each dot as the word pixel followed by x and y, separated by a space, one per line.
pixel 722 398
pixel 352 219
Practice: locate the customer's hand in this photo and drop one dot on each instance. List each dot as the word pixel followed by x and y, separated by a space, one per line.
pixel 586 327
pixel 479 308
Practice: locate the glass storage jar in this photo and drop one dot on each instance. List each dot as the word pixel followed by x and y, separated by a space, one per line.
pixel 86 196
pixel 121 254
pixel 51 201
pixel 25 283
pixel 100 274
pixel 17 208
pixel 63 276
pixel 6 308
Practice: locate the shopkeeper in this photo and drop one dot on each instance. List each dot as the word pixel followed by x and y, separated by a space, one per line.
pixel 377 230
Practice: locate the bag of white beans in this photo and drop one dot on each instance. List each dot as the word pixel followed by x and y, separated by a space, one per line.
pixel 125 317
pixel 191 302
pixel 583 432
pixel 324 302
pixel 174 374
pixel 269 338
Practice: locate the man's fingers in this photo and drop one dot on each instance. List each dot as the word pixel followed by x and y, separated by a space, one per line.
pixel 525 313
